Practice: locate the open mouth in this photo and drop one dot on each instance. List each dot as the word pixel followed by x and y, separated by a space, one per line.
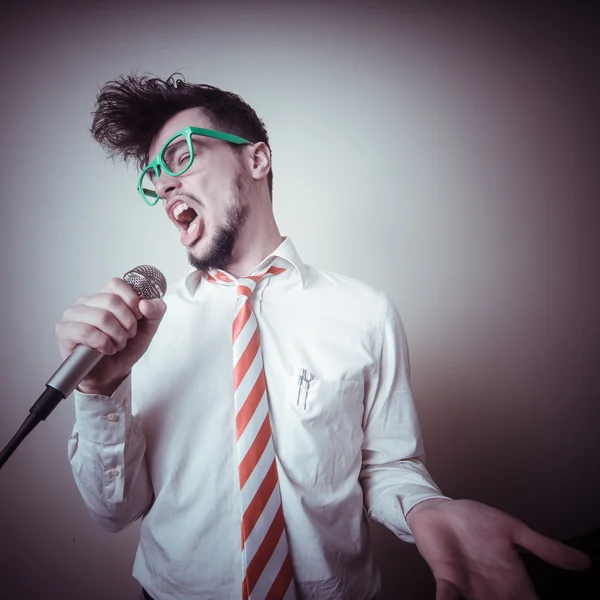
pixel 188 222
pixel 184 214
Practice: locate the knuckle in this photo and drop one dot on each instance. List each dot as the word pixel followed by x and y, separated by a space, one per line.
pixel 114 302
pixel 87 332
pixel 108 348
pixel 130 328
pixel 105 345
pixel 122 340
pixel 76 333
pixel 105 319
pixel 109 287
pixel 113 283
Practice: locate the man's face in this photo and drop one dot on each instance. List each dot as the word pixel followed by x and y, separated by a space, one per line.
pixel 208 203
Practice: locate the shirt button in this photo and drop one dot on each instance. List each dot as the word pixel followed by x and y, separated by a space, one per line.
pixel 113 418
pixel 114 473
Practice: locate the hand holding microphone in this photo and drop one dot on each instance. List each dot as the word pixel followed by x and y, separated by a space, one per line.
pixel 115 325
pixel 100 339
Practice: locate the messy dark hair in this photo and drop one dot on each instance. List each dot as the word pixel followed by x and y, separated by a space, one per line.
pixel 131 110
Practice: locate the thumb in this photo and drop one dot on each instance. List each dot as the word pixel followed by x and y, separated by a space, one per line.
pixel 154 309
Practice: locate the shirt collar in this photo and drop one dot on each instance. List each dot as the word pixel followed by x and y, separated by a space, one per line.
pixel 286 250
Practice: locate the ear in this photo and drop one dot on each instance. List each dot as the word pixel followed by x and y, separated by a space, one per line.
pixel 259 160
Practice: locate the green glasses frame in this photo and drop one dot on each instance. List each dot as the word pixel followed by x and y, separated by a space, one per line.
pixel 150 197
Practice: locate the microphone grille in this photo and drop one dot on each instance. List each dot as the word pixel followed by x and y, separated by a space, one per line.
pixel 147 281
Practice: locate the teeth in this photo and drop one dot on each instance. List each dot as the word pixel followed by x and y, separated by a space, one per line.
pixel 179 209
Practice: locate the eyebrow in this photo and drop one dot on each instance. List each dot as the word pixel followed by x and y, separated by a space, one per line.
pixel 199 140
pixel 171 149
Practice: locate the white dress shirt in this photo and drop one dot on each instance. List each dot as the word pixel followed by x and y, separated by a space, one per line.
pixel 348 445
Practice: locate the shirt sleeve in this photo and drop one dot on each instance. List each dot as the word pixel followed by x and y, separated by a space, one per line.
pixel 393 474
pixel 107 456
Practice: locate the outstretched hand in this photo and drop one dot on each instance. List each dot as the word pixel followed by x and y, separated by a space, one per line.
pixel 472 550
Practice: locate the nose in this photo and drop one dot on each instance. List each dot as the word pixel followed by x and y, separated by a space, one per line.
pixel 167 185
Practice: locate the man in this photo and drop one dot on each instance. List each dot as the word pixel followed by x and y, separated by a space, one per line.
pixel 273 395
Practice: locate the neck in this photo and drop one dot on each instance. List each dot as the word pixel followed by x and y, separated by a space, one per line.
pixel 258 238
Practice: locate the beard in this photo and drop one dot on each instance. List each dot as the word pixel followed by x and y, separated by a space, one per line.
pixel 220 250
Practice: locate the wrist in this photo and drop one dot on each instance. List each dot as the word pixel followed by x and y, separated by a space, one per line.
pixel 96 388
pixel 413 514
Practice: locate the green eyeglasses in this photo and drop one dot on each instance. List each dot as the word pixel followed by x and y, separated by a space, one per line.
pixel 176 157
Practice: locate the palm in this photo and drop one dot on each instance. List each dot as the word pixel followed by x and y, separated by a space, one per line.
pixel 472 551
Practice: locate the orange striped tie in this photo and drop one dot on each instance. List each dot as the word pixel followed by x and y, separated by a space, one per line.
pixel 266 565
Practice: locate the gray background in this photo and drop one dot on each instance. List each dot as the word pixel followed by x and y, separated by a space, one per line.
pixel 445 155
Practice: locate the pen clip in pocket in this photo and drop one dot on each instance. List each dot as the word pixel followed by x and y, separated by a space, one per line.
pixel 304 381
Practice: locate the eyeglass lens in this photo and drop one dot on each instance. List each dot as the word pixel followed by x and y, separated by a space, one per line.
pixel 176 156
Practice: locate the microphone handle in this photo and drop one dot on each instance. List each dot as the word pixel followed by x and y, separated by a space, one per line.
pixel 75 367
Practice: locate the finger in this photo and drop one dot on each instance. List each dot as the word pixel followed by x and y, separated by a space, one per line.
pixel 126 292
pixel 114 304
pixel 552 551
pixel 100 319
pixel 71 334
pixel 153 309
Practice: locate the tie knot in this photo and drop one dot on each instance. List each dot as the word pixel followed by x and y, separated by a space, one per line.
pixel 245 285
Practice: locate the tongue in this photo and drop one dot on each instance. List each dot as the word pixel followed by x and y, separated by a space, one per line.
pixel 193 233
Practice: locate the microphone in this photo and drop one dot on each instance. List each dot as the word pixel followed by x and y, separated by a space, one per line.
pixel 149 283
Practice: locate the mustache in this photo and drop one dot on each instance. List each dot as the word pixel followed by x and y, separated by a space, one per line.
pixel 192 197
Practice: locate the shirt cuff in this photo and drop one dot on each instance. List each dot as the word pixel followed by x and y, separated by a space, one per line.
pixel 104 419
pixel 392 510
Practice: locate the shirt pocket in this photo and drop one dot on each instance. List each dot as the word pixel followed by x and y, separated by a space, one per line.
pixel 322 432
